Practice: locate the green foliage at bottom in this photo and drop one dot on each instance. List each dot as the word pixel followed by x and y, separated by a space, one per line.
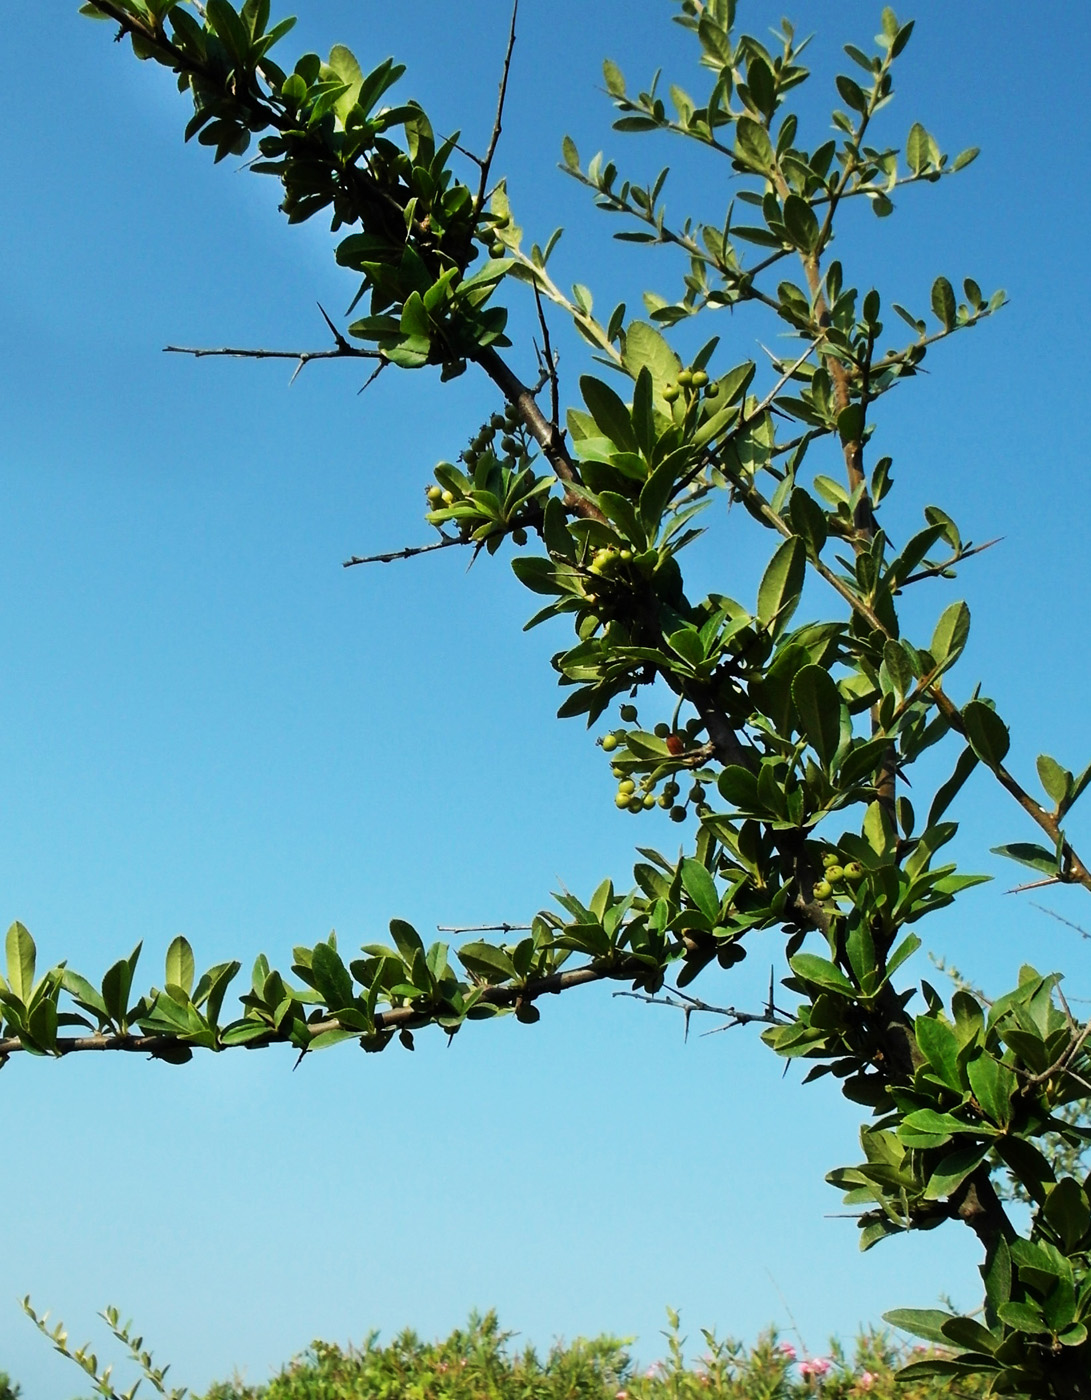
pixel 478 1363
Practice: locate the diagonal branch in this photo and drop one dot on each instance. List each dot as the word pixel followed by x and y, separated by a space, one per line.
pixel 409 552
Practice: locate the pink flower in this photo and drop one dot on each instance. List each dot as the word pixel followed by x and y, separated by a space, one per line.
pixel 866 1380
pixel 650 1373
pixel 622 1395
pixel 818 1367
pixel 787 1350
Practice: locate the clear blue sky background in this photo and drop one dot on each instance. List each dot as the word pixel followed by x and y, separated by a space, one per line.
pixel 207 726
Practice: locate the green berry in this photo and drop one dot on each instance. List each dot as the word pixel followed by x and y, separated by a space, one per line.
pixel 447 497
pixel 497 250
pixel 834 873
pixel 711 391
pixel 609 743
pixel 626 556
pixel 627 786
pixel 635 805
pixel 434 494
pixel 662 730
pixel 628 713
pixel 823 889
pixel 853 871
pixel 648 801
pixel 617 772
pixel 678 814
pixel 685 378
pixel 508 443
pixel 621 801
pixel 698 379
pixel 830 858
pixel 497 421
pixel 519 535
pixel 665 802
pixel 671 393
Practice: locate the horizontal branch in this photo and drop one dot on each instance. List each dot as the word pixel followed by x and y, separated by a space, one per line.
pixel 397 1018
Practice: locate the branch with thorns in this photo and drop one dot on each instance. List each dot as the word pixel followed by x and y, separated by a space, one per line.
pixel 772 1014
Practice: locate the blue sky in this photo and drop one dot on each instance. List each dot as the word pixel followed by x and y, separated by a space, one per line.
pixel 208 726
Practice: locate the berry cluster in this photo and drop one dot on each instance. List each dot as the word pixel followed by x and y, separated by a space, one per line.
pixel 835 874
pixel 688 384
pixel 631 797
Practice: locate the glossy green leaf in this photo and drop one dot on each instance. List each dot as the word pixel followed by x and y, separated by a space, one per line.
pixel 180 966
pixel 986 733
pixel 781 585
pixel 21 955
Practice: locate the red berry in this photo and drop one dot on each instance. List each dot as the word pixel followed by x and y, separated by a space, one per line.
pixel 675 744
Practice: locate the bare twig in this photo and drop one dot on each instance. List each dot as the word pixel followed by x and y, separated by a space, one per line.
pixel 497 124
pixel 409 552
pixel 1035 885
pixel 1067 922
pixel 549 364
pixel 689 1004
pixel 482 928
pixel 936 570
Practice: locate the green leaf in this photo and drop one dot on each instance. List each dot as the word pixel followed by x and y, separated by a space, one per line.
pixel 752 145
pixel 926 1323
pixel 1024 1317
pixel 940 1047
pixel 802 224
pixel 822 972
pixel 406 939
pixel 965 1332
pixel 645 347
pixel 819 705
pixel 614 79
pixel 21 955
pixel 1056 780
pixel 699 885
pixel 986 733
pixel 487 962
pixel 994 1087
pixel 951 634
pixel 1030 854
pixel 808 521
pixel 1066 1209
pixel 609 412
pixel 917 148
pixel 781 585
pixel 943 302
pixel 570 153
pixel 180 964
pixel 952 1171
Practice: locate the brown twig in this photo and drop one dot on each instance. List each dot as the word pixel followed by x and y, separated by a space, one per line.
pixel 486 163
pixel 482 928
pixel 409 552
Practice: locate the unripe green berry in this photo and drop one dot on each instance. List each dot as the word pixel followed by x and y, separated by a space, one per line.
pixel 712 390
pixel 628 713
pixel 627 785
pixel 447 497
pixel 830 858
pixel 497 250
pixel 621 801
pixel 617 772
pixel 685 378
pixel 635 805
pixel 698 379
pixel 649 801
pixel 508 443
pixel 834 873
pixel 626 556
pixel 671 393
pixel 609 743
pixel 519 535
pixel 823 890
pixel 665 802
pixel 678 814
pixel 497 421
pixel 853 871
pixel 434 494
pixel 662 730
